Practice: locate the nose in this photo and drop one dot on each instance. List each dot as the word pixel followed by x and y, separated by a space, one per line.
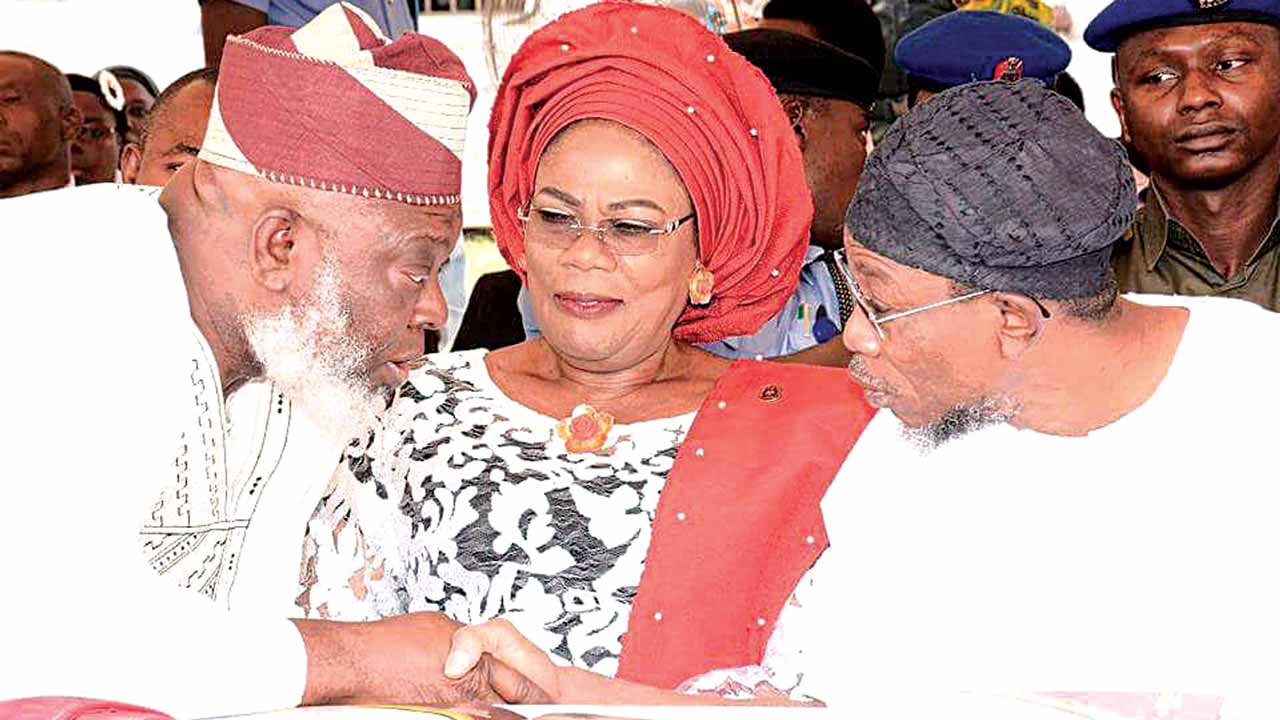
pixel 860 335
pixel 431 311
pixel 1198 92
pixel 588 252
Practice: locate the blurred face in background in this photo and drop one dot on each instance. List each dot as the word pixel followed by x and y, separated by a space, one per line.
pixel 834 139
pixel 95 153
pixel 137 103
pixel 34 126
pixel 173 136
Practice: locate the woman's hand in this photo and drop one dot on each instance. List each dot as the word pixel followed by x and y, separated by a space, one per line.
pixel 569 685
pixel 500 639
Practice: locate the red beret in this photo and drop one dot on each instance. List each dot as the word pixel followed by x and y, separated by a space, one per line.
pixel 712 114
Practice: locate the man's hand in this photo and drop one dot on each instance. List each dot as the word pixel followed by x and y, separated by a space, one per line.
pixel 401 660
pixel 500 640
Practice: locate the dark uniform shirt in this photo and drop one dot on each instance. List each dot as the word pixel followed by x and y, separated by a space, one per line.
pixel 1158 255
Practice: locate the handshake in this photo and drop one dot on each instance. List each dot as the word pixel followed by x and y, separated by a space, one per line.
pixel 428 659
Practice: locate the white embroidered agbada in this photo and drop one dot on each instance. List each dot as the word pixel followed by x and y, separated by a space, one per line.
pixel 114 406
pixel 229 524
pixel 1139 558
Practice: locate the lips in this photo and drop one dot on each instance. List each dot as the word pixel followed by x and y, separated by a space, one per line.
pixel 587 305
pixel 871 385
pixel 399 370
pixel 877 398
pixel 876 392
pixel 1205 138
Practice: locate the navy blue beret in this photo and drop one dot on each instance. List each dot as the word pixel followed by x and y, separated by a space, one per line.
pixel 970 45
pixel 1123 18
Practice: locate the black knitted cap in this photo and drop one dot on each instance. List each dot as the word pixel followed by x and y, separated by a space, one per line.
pixel 1000 186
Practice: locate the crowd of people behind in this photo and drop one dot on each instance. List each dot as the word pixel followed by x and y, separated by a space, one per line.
pixel 836 354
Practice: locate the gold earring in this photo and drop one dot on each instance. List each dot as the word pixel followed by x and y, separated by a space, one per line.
pixel 701 283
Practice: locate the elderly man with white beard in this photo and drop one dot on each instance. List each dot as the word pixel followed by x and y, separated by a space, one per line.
pixel 299 262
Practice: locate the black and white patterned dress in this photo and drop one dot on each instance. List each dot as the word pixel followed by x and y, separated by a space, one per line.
pixel 468 503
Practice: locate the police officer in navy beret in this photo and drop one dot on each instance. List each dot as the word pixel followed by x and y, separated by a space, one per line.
pixel 1197 89
pixel 973 45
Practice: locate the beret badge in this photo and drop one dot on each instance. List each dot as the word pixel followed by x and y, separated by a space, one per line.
pixel 1009 70
pixel 1211 4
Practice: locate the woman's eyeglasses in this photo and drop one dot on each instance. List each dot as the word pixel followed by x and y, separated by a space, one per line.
pixel 623 236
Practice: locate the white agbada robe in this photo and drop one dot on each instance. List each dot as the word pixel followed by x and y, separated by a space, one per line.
pixel 1140 558
pixel 104 377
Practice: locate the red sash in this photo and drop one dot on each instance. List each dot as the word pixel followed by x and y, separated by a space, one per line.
pixel 738 523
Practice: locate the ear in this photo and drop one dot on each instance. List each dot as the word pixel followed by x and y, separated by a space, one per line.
pixel 130 163
pixel 273 256
pixel 1117 102
pixel 1021 323
pixel 71 121
pixel 796 113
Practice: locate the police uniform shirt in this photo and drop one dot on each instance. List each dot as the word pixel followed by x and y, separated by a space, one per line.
pixel 1159 255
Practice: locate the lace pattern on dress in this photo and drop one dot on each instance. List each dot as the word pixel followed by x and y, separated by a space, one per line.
pixel 468 503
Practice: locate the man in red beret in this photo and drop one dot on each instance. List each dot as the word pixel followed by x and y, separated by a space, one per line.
pixel 300 248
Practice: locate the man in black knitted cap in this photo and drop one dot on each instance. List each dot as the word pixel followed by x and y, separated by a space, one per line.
pixel 1112 489
pixel 997 211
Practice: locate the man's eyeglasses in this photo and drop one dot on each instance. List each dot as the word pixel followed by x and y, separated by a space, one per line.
pixel 878 321
pixel 623 236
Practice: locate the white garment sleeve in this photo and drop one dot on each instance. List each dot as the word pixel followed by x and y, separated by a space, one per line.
pixel 90 379
pixel 82 613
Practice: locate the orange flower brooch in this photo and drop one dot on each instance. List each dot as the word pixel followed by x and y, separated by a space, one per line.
pixel 585 430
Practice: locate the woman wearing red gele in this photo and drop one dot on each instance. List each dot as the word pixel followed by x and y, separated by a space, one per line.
pixel 617 493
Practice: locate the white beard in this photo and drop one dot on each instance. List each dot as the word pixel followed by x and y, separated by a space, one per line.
pixel 310 353
pixel 960 421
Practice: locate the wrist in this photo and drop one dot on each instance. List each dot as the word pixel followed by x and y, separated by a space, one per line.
pixel 335 662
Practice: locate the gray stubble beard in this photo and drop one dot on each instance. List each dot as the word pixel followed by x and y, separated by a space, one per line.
pixel 960 421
